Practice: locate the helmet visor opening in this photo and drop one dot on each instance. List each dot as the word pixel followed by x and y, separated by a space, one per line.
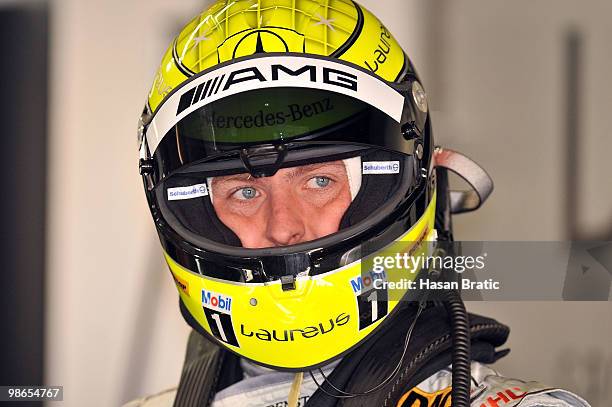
pixel 320 191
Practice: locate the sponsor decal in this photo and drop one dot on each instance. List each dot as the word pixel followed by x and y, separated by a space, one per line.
pixel 218 312
pixel 276 72
pixel 217 302
pixel 292 113
pixel 182 285
pixel 364 283
pixel 372 303
pixel 272 72
pixel 419 398
pixel 267 41
pixel 504 397
pixel 161 87
pixel 442 398
pixel 291 335
pixel 191 192
pixel 382 51
pixel 301 402
pixel 259 41
pixel 381 167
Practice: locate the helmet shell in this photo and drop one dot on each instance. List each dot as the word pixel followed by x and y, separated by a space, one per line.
pixel 231 29
pixel 326 315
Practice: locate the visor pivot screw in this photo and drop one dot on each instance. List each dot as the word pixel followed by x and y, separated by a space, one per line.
pixel 253 302
pixel 288 282
pixel 410 131
pixel 420 97
pixel 146 167
pixel 419 151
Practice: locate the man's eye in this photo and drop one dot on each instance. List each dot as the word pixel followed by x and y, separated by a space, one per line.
pixel 319 182
pixel 245 194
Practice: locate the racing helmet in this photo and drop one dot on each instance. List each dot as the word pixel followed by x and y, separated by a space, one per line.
pixel 252 88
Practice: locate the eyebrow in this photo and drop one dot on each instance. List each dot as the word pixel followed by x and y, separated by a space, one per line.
pixel 296 172
pixel 238 177
pixel 313 167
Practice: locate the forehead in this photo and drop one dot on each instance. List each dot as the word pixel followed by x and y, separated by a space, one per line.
pixel 334 166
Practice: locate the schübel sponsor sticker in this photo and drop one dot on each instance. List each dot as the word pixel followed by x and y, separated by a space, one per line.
pixel 217 302
pixel 191 192
pixel 381 167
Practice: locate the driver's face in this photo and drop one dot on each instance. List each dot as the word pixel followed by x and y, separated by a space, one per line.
pixel 294 206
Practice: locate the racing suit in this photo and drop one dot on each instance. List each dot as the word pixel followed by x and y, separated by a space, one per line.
pixel 489 389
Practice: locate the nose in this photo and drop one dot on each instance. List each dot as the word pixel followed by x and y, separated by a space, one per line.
pixel 286 225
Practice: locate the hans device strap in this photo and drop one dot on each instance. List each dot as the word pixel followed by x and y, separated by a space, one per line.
pixel 477 178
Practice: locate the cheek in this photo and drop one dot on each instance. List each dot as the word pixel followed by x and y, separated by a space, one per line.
pixel 325 220
pixel 247 226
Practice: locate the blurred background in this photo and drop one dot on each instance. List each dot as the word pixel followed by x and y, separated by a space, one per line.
pixel 521 86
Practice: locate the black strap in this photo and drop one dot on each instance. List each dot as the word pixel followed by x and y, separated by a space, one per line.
pixel 429 351
pixel 201 371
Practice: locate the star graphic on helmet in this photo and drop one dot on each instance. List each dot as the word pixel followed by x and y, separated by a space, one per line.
pixel 200 39
pixel 326 22
pixel 263 23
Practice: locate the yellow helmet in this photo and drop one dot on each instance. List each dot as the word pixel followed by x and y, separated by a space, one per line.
pixel 255 86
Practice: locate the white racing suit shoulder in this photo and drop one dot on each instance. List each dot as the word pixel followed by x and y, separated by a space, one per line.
pixel 489 389
pixel 161 399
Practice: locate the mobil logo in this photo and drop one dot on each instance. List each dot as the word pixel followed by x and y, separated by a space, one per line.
pixel 365 282
pixel 216 301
